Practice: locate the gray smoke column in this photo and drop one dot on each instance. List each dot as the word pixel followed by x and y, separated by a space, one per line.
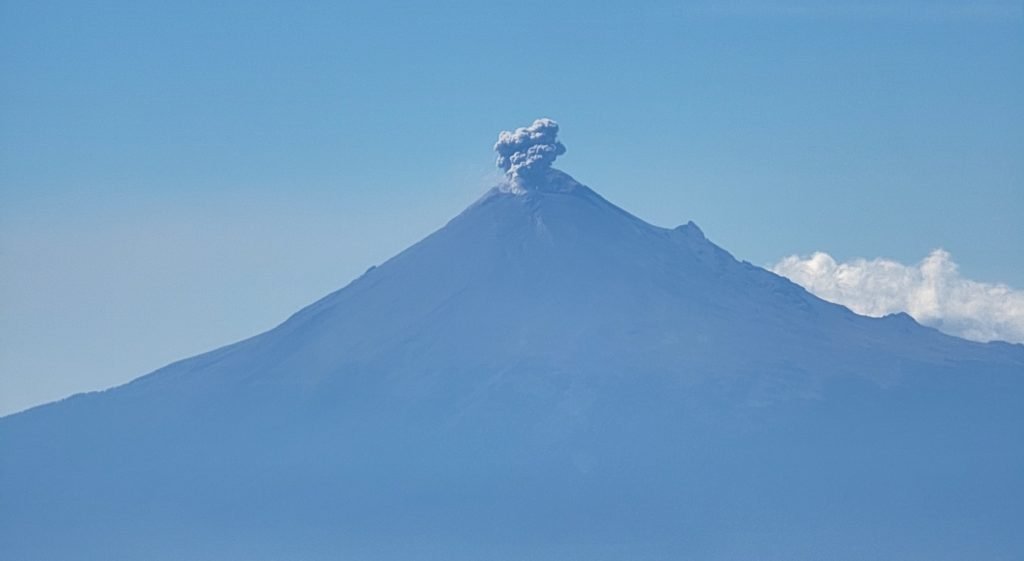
pixel 529 151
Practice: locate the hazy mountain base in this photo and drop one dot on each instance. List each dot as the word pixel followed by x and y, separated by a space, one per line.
pixel 547 377
pixel 872 474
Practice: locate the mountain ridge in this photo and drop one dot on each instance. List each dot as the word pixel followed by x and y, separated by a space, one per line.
pixel 689 235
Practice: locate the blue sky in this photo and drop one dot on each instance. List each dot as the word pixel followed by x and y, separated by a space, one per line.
pixel 177 176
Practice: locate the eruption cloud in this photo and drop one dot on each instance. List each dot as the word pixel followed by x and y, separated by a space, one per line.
pixel 528 151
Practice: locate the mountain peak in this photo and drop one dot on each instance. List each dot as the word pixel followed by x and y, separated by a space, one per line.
pixel 549 180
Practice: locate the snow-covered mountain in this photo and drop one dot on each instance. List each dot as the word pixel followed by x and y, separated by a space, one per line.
pixel 547 377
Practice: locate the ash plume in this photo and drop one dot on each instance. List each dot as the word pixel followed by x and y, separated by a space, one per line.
pixel 527 152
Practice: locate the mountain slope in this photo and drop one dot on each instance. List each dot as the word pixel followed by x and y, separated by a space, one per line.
pixel 545 377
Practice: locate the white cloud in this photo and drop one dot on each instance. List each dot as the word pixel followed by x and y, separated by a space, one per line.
pixel 932 291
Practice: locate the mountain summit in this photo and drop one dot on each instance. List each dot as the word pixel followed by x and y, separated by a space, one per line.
pixel 546 377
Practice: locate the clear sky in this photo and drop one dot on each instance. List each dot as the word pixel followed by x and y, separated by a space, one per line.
pixel 175 176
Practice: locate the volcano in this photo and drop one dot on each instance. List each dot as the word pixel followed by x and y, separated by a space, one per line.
pixel 546 377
